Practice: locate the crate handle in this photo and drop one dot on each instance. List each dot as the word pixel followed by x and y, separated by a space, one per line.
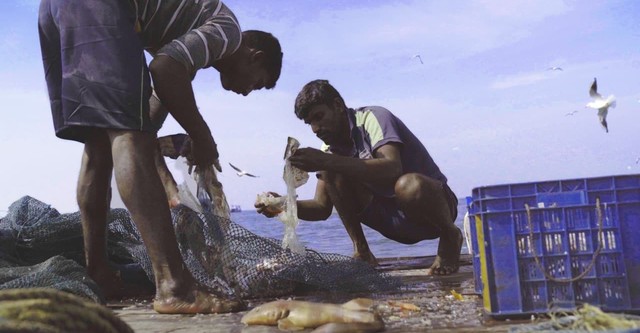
pixel 595 254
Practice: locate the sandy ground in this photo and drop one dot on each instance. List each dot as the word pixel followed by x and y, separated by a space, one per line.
pixel 426 304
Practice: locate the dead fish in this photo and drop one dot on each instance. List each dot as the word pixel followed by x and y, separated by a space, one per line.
pixel 176 145
pixel 208 183
pixel 353 316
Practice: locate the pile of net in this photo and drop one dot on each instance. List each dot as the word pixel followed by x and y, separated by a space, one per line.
pixel 40 247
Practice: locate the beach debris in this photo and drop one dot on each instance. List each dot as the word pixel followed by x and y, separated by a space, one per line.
pixel 404 306
pixel 456 295
pixel 353 316
pixel 601 104
pixel 241 172
pixel 587 318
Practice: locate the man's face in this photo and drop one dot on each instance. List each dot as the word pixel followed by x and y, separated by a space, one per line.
pixel 246 77
pixel 329 124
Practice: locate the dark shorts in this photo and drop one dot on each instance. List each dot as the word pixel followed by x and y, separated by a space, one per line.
pixel 384 216
pixel 95 67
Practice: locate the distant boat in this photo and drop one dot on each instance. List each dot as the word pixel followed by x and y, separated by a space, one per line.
pixel 236 208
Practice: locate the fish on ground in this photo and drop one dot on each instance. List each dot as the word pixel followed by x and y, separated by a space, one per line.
pixel 353 316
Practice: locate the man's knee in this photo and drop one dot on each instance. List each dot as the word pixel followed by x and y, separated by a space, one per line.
pixel 133 145
pixel 411 187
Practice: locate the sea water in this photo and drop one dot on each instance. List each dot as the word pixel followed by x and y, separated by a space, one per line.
pixel 330 236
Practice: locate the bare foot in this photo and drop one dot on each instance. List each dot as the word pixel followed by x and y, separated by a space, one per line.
pixel 198 301
pixel 366 256
pixel 447 261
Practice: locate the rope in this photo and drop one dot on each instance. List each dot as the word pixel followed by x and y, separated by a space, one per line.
pixel 595 254
pixel 51 310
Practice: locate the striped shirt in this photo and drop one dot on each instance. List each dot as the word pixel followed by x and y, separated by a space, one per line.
pixel 373 127
pixel 194 32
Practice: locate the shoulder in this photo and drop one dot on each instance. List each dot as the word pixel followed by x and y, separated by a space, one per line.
pixel 376 115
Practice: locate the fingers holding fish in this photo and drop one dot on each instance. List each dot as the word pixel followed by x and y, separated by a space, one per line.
pixel 270 204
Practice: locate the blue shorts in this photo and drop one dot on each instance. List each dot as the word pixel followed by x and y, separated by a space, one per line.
pixel 384 216
pixel 95 68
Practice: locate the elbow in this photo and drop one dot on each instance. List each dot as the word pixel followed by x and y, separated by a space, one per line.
pixel 162 67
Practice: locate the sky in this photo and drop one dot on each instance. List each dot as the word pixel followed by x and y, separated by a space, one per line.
pixel 483 101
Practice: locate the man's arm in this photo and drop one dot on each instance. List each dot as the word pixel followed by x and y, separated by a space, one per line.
pixel 317 209
pixel 172 84
pixel 384 168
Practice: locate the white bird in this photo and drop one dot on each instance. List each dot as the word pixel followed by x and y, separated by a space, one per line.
pixel 571 113
pixel 601 104
pixel 240 172
pixel 419 58
pixel 554 68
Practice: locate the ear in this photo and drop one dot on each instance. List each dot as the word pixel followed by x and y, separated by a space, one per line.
pixel 257 56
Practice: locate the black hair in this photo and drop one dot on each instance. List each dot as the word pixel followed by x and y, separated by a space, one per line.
pixel 267 43
pixel 316 92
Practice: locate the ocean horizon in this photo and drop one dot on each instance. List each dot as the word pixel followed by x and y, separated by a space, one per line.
pixel 330 236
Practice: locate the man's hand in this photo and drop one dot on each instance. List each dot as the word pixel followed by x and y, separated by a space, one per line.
pixel 309 159
pixel 263 207
pixel 176 145
pixel 204 153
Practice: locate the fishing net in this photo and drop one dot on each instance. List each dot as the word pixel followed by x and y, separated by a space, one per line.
pixel 40 247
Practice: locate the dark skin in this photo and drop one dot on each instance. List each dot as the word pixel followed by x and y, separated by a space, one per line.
pixel 145 184
pixel 340 185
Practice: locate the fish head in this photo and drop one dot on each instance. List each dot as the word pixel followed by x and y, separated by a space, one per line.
pixel 266 314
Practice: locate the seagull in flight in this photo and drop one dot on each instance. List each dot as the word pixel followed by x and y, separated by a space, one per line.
pixel 601 104
pixel 240 172
pixel 419 58
pixel 571 113
pixel 554 68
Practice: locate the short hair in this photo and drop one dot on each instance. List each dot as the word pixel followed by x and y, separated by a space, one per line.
pixel 316 92
pixel 267 43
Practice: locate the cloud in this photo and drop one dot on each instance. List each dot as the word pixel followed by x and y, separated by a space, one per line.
pixel 440 31
pixel 519 80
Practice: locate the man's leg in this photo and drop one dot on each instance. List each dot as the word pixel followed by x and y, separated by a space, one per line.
pixel 143 194
pixel 424 202
pixel 93 200
pixel 350 199
pixel 169 184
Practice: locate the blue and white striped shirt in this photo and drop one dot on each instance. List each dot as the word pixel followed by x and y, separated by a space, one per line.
pixel 193 32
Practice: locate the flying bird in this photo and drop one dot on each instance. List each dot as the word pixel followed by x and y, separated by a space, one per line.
pixel 240 172
pixel 554 68
pixel 419 58
pixel 601 104
pixel 638 160
pixel 571 113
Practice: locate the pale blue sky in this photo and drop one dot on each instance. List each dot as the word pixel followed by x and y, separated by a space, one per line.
pixel 483 102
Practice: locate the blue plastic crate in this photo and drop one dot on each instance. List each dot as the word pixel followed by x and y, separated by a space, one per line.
pixel 529 261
